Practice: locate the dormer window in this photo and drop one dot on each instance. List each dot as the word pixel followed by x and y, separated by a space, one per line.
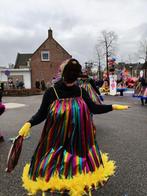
pixel 45 56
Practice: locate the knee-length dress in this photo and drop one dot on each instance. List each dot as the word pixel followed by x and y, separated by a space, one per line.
pixel 67 156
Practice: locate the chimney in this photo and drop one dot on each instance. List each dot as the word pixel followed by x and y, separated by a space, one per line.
pixel 50 33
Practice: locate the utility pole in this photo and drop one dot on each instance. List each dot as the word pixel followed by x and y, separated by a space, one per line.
pixel 107 68
pixel 99 70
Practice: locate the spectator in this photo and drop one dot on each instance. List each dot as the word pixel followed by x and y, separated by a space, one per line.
pixel 17 83
pixel 2 107
pixel 21 84
pixel 10 83
pixel 37 84
pixel 43 86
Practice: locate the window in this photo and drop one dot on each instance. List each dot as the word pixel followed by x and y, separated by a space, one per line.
pixel 45 56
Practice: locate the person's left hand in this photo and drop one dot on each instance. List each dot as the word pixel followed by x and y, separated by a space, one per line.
pixel 25 130
pixel 120 107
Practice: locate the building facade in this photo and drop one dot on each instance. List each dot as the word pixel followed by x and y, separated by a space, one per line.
pixel 45 61
pixel 16 74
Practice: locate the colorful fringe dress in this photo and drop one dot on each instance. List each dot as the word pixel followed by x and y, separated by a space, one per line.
pixel 91 91
pixel 67 156
pixel 93 95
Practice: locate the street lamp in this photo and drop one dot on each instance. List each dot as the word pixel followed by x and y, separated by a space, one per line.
pixel 130 66
pixel 86 65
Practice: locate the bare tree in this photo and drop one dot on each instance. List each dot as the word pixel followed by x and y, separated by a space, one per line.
pixel 143 50
pixel 107 41
pixel 88 66
pixel 100 57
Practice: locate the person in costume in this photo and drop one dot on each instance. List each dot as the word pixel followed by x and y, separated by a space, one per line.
pixel 143 91
pixel 121 83
pixel 2 107
pixel 90 86
pixel 140 90
pixel 105 87
pixel 67 156
pixel 121 87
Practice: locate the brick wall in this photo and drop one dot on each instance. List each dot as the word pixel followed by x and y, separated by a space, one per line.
pixel 47 69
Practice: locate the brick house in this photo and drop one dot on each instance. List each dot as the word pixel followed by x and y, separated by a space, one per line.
pixel 44 62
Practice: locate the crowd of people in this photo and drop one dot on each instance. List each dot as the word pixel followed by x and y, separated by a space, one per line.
pixel 40 84
pixel 18 84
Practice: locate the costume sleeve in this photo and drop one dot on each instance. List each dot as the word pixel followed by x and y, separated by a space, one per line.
pixel 94 108
pixel 94 86
pixel 42 112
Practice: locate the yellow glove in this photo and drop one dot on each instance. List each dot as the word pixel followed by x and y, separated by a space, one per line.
pixel 25 130
pixel 120 107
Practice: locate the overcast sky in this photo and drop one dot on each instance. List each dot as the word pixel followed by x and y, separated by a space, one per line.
pixel 76 25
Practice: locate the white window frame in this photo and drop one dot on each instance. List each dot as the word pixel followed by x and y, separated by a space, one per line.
pixel 45 52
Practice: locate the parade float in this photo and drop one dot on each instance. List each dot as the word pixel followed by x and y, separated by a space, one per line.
pixel 117 79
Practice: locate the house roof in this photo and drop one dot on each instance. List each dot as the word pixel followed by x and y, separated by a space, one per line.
pixel 22 59
pixel 55 42
pixel 50 37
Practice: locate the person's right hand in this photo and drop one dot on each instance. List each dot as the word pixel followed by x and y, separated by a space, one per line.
pixel 120 107
pixel 25 130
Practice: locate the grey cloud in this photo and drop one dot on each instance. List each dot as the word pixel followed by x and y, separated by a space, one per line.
pixel 129 42
pixel 81 45
pixel 76 25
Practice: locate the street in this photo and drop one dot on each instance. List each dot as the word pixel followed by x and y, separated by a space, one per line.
pixel 122 134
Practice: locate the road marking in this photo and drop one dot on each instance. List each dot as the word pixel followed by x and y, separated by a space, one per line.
pixel 14 105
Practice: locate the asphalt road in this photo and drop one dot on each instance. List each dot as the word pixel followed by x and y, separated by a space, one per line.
pixel 122 134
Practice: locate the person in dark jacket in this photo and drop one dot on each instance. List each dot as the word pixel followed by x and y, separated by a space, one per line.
pixel 67 156
pixel 1 90
pixel 43 86
pixel 143 91
pixel 2 107
pixel 37 84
